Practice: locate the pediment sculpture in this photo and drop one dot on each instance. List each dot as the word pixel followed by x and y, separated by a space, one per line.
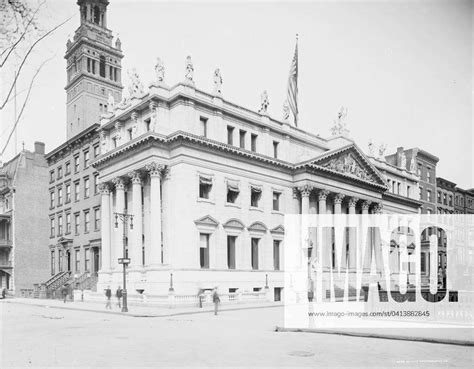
pixel 346 164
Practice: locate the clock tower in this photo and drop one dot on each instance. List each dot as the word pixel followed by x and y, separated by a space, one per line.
pixel 94 68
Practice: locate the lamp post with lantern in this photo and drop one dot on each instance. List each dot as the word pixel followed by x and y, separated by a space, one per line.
pixel 124 260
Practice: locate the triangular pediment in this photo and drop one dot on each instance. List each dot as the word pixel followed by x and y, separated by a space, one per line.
pixel 207 221
pixel 278 230
pixel 348 161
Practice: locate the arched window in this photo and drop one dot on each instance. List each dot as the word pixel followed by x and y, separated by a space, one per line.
pixel 102 66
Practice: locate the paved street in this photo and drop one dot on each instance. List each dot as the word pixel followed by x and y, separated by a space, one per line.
pixel 35 336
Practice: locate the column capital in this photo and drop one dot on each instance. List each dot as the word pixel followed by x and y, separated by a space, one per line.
pixel 295 192
pixel 104 188
pixel 134 116
pixel 378 207
pixel 353 202
pixel 155 169
pixel 323 195
pixel 366 204
pixel 119 183
pixel 136 177
pixel 305 190
pixel 338 198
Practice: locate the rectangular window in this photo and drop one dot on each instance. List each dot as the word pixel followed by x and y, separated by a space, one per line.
pixel 60 196
pixel 203 123
pixel 52 228
pixel 204 250
pixel 60 260
pixel 428 195
pixel 230 135
pixel 52 199
pixel 253 142
pixel 408 191
pixel 86 187
pixel 428 175
pixel 68 193
pixel 77 191
pixel 68 223
pixel 77 259
pixel 423 262
pixel 255 253
pixel 68 168
pixel 276 255
pixel 444 199
pixel 76 164
pixel 399 187
pixel 419 171
pixel 439 197
pixel 242 134
pixel 87 259
pixel 77 223
pixel 231 252
pixel 275 149
pixel 232 191
pixel 96 151
pixel 255 195
pixel 421 193
pixel 53 262
pixel 60 225
pixel 60 172
pixel 276 201
pixel 86 159
pixel 97 219
pixel 51 176
pixel 96 184
pixel 205 186
pixel 86 221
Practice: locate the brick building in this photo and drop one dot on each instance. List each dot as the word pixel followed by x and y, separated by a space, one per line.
pixel 23 226
pixel 74 208
pixel 445 196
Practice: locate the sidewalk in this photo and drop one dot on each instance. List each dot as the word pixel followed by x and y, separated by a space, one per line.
pixel 137 311
pixel 429 333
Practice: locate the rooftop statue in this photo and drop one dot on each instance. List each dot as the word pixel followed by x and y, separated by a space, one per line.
pixel 159 70
pixel 412 164
pixel 189 72
pixel 403 162
pixel 339 127
pixel 371 148
pixel 265 102
pixel 382 149
pixel 217 82
pixel 135 88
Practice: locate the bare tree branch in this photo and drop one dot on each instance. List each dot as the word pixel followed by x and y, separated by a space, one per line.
pixel 26 57
pixel 15 44
pixel 24 104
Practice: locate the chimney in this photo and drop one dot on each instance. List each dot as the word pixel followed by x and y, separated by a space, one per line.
pixel 39 148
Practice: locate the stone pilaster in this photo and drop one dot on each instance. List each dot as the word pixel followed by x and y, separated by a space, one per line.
pixel 153 249
pixel 135 239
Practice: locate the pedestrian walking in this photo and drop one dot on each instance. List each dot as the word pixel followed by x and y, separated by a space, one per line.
pixel 118 294
pixel 64 291
pixel 108 295
pixel 4 293
pixel 216 300
pixel 200 296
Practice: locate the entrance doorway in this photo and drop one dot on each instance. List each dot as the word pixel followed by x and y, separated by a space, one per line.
pixel 95 260
pixel 68 260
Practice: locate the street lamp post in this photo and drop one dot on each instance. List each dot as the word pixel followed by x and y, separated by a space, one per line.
pixel 124 260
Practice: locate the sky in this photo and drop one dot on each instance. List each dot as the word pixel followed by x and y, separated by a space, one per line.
pixel 403 69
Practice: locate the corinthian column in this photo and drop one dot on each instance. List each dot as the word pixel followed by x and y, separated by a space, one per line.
pixel 352 233
pixel 337 211
pixel 106 243
pixel 119 208
pixel 326 244
pixel 135 246
pixel 153 249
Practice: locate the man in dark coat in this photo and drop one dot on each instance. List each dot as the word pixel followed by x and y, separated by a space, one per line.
pixel 64 292
pixel 216 300
pixel 108 295
pixel 118 294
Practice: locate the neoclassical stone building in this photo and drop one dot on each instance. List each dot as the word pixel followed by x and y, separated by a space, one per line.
pixel 208 183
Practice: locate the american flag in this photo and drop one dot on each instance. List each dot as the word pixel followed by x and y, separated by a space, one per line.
pixel 293 85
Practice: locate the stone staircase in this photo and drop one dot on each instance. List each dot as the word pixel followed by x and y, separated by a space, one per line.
pixel 86 281
pixel 49 289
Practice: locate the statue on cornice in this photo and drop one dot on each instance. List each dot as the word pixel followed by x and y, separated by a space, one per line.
pixel 371 148
pixel 135 88
pixel 286 110
pixel 217 82
pixel 110 103
pixel 403 162
pixel 159 70
pixel 412 164
pixel 189 72
pixel 124 103
pixel 339 127
pixel 265 102
pixel 382 149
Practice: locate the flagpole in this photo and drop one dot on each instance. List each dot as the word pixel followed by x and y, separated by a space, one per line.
pixel 296 114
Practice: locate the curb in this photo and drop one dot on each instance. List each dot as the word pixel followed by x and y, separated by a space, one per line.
pixel 137 315
pixel 445 341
